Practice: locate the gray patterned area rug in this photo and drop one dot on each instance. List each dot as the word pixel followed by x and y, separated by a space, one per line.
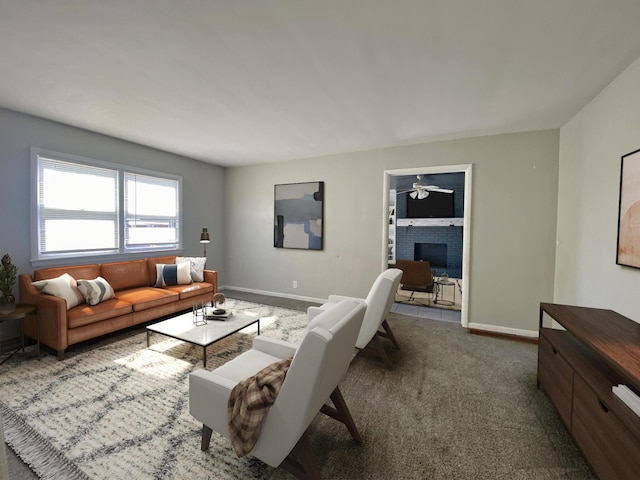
pixel 116 409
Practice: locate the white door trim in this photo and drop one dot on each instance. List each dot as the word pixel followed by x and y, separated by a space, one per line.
pixel 466 231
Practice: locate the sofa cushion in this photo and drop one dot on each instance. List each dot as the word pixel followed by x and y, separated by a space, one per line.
pixel 176 274
pixel 197 265
pixel 64 287
pixel 86 314
pixel 147 297
pixel 91 270
pixel 192 290
pixel 125 275
pixel 95 291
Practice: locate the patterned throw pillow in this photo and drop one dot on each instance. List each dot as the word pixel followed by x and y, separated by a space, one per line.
pixel 197 266
pixel 174 274
pixel 96 290
pixel 64 286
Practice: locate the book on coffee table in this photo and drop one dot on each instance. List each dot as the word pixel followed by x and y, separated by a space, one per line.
pixel 210 315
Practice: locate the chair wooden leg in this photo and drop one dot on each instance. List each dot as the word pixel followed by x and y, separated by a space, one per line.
pixel 307 468
pixel 206 438
pixel 342 414
pixel 389 334
pixel 376 348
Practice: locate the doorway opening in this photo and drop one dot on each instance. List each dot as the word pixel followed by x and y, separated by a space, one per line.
pixel 402 235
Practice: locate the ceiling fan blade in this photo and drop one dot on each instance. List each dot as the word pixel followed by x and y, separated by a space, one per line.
pixel 433 188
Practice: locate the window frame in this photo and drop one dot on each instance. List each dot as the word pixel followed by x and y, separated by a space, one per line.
pixel 121 251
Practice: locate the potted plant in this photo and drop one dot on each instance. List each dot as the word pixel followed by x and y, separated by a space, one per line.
pixel 8 273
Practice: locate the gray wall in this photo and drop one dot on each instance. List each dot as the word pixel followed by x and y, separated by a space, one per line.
pixel 512 231
pixel 203 184
pixel 591 145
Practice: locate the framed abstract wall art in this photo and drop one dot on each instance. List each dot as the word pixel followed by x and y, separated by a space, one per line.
pixel 629 211
pixel 298 216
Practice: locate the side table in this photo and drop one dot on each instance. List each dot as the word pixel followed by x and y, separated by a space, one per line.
pixel 21 311
pixel 440 284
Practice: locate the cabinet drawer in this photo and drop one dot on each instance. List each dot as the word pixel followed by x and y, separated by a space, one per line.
pixel 556 377
pixel 609 447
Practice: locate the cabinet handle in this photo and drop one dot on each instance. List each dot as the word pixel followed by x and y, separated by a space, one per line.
pixel 603 406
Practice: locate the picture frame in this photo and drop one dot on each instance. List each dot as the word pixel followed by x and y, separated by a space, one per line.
pixel 299 215
pixel 628 245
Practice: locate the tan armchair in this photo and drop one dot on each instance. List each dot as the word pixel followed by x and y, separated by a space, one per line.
pixel 417 276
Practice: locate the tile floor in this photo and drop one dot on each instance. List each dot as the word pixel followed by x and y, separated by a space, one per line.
pixel 426 312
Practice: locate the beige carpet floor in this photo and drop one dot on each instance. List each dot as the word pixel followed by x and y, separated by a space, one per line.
pixel 454 406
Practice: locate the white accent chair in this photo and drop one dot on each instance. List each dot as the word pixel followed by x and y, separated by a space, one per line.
pixel 319 363
pixel 378 304
pixel 4 472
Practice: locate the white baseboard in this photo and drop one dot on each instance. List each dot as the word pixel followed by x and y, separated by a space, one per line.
pixel 274 294
pixel 516 332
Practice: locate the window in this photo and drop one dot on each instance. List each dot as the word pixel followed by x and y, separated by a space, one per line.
pixel 151 206
pixel 86 207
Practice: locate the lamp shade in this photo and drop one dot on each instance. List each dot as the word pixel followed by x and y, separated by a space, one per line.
pixel 204 236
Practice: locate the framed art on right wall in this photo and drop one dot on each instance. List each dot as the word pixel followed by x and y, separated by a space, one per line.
pixel 628 252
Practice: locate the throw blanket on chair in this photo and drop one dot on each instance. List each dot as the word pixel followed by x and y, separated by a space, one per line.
pixel 249 402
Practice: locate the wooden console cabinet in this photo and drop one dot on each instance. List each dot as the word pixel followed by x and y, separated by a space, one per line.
pixel 577 368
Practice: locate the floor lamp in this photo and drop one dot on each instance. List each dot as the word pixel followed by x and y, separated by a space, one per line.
pixel 204 239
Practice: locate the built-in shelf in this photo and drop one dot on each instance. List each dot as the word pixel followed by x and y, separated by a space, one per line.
pixel 391 256
pixel 430 222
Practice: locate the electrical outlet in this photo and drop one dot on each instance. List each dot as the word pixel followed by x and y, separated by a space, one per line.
pixel 295 284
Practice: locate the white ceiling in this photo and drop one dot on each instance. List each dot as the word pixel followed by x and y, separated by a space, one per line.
pixel 240 82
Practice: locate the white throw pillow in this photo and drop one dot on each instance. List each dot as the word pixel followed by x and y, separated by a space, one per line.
pixel 196 266
pixel 64 286
pixel 96 290
pixel 172 274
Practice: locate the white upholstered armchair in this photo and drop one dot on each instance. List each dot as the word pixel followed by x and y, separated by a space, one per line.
pixel 319 363
pixel 4 472
pixel 378 305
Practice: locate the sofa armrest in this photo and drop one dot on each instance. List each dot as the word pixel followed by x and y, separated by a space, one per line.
pixel 211 276
pixel 51 316
pixel 275 347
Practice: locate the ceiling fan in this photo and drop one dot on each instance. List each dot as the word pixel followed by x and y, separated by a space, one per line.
pixel 420 190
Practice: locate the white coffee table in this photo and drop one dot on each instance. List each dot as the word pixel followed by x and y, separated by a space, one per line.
pixel 181 327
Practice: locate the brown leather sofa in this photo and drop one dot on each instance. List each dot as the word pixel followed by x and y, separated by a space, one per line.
pixel 136 301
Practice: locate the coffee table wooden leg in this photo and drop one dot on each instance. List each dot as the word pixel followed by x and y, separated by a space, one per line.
pixel 148 335
pixel 204 356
